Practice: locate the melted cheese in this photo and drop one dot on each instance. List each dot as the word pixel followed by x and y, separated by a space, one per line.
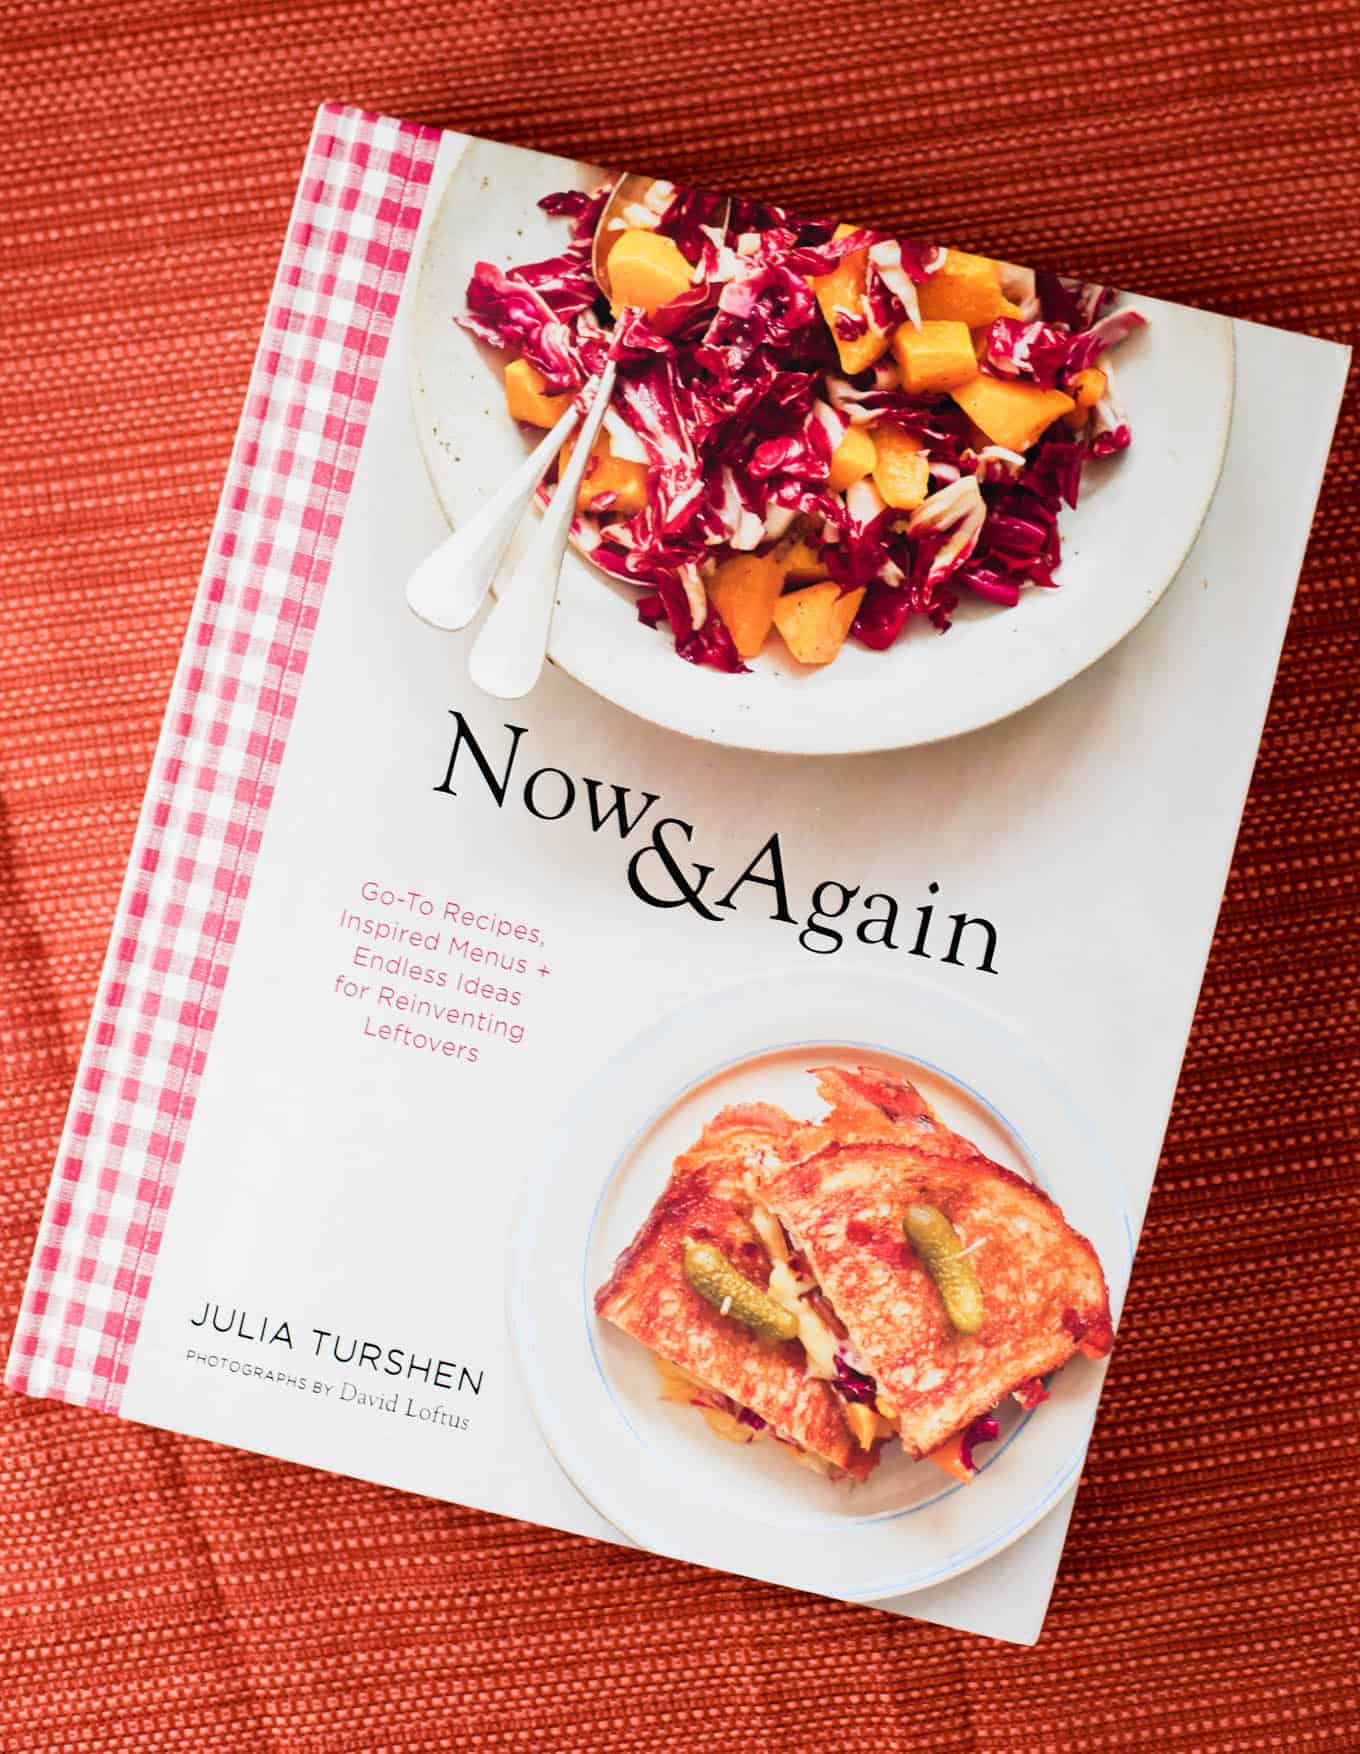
pixel 819 1343
pixel 678 1385
pixel 727 1426
pixel 816 1464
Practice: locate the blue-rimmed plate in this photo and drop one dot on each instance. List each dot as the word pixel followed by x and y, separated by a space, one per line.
pixel 652 1468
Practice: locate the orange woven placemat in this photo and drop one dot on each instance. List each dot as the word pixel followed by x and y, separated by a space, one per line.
pixel 161 1594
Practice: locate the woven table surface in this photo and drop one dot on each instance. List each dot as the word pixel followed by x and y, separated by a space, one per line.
pixel 158 1593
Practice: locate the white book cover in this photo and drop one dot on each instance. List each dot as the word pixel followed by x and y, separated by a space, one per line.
pixel 702 1089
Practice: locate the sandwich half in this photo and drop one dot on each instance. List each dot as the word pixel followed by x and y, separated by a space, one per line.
pixel 746 1384
pixel 955 1282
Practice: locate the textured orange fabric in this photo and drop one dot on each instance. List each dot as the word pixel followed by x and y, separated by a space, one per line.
pixel 160 1594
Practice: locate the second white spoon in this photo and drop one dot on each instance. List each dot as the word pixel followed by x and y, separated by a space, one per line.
pixel 448 587
pixel 507 656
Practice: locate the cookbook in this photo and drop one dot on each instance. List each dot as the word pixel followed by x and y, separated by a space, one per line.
pixel 677 870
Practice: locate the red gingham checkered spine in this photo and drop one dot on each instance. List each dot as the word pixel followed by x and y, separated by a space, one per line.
pixel 344 261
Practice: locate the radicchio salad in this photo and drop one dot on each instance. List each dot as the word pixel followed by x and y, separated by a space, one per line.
pixel 828 431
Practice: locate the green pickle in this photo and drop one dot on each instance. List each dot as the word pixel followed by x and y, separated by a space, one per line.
pixel 937 1243
pixel 709 1272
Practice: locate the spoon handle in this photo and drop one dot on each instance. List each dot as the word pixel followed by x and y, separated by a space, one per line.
pixel 508 654
pixel 448 586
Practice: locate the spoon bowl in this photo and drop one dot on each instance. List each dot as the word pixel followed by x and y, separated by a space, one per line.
pixel 630 190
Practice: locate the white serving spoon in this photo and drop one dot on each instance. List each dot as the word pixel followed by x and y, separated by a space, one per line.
pixel 508 654
pixel 449 586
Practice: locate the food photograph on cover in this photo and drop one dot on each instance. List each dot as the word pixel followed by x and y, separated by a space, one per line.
pixel 870 490
pixel 823 1288
pixel 722 1234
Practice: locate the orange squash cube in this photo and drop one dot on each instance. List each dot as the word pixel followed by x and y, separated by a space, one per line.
pixel 1086 388
pixel 815 620
pixel 525 398
pixel 1011 414
pixel 937 356
pixel 852 459
pixel 966 289
pixel 744 590
pixel 606 473
pixel 843 289
pixel 801 562
pixel 646 270
pixel 902 471
pixel 865 1425
pixel 949 1456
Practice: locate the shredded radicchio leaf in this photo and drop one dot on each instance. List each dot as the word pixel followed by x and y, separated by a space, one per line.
pixel 1030 1393
pixel 984 1429
pixel 735 393
pixel 853 1385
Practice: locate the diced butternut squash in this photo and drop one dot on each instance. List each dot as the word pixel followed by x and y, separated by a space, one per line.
pixel 801 562
pixel 843 289
pixel 815 620
pixel 525 397
pixel 852 459
pixel 902 469
pixel 1011 414
pixel 744 590
pixel 646 269
pixel 966 289
pixel 606 473
pixel 1086 388
pixel 949 1456
pixel 865 1425
pixel 937 356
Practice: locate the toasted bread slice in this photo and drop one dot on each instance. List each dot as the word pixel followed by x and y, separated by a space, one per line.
pixel 841 1188
pixel 647 1295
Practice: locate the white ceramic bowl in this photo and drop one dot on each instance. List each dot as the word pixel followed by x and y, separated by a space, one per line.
pixel 1122 546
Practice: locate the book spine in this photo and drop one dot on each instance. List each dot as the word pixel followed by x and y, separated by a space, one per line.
pixel 348 247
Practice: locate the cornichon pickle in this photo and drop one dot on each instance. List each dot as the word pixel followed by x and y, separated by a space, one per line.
pixel 937 1243
pixel 709 1272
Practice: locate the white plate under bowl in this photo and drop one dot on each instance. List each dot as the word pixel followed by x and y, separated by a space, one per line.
pixel 1122 546
pixel 652 1468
